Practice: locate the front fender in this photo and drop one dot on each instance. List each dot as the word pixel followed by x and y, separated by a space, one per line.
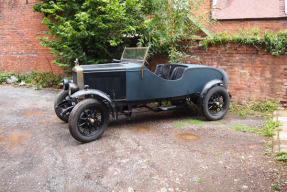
pixel 207 87
pixel 97 94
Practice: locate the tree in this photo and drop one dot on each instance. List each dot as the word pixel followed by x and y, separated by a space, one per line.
pixel 170 25
pixel 94 31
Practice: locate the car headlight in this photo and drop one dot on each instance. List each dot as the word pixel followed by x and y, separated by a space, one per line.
pixel 73 88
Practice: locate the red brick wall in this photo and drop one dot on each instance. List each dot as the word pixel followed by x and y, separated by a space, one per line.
pixel 20 51
pixel 253 73
pixel 274 25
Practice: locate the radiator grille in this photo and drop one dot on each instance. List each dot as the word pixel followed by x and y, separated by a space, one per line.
pixel 75 77
pixel 112 83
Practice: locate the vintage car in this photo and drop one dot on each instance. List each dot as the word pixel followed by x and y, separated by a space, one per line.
pixel 121 87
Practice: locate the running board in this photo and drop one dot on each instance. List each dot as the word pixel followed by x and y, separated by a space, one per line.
pixel 165 108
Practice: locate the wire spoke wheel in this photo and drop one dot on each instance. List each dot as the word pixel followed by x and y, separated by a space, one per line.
pixel 215 103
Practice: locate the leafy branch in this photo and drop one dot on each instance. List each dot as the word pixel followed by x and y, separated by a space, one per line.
pixel 95 31
pixel 169 26
pixel 273 43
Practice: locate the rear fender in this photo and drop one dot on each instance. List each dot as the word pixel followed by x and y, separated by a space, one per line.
pixel 225 78
pixel 97 94
pixel 207 87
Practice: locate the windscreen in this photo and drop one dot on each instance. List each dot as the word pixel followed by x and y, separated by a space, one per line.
pixel 136 54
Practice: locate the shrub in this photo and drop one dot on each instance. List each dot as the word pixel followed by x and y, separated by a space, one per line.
pixel 38 79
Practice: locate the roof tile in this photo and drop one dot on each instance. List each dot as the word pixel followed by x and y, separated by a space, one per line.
pixel 243 9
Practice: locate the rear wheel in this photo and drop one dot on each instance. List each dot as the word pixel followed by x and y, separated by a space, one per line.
pixel 88 120
pixel 216 103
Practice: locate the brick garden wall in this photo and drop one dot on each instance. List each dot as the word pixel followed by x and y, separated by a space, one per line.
pixel 274 25
pixel 20 50
pixel 253 73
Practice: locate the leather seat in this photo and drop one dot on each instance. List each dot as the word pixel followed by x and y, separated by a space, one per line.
pixel 163 71
pixel 177 73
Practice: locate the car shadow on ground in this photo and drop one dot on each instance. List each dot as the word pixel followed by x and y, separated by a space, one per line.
pixel 149 117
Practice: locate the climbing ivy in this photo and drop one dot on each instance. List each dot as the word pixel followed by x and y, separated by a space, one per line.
pixel 273 43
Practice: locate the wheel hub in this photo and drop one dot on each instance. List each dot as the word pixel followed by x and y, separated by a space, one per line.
pixel 91 121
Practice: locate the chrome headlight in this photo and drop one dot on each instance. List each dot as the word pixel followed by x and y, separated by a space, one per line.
pixel 73 88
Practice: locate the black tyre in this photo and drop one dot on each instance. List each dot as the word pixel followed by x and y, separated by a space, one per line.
pixel 215 103
pixel 64 105
pixel 88 120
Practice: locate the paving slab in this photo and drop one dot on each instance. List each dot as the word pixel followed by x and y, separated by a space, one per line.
pixel 280 138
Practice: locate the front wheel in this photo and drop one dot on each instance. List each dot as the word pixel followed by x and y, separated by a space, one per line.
pixel 215 103
pixel 88 120
pixel 61 104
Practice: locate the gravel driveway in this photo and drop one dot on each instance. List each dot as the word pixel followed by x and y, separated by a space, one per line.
pixel 147 153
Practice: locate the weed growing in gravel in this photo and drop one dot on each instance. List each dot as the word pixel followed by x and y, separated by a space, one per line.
pixel 217 122
pixel 218 154
pixel 179 125
pixel 195 121
pixel 282 156
pixel 233 108
pixel 207 149
pixel 268 152
pixel 267 106
pixel 276 187
pixel 269 144
pixel 258 108
pixel 268 130
pixel 269 127
pixel 244 128
pixel 243 113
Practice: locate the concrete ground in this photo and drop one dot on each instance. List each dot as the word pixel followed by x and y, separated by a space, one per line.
pixel 165 151
pixel 280 138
